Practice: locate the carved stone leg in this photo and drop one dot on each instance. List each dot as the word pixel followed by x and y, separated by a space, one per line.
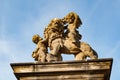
pixel 59 57
pixel 56 48
pixel 88 51
pixel 93 55
pixel 42 57
pixel 51 57
pixel 80 56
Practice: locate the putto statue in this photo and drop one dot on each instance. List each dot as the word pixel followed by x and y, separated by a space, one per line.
pixel 39 54
pixel 62 37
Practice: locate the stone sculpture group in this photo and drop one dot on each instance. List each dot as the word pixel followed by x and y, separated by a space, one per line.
pixel 62 37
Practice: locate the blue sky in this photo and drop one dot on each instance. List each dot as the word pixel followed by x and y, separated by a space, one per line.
pixel 21 19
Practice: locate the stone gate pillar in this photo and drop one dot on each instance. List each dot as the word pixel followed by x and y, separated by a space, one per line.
pixel 66 70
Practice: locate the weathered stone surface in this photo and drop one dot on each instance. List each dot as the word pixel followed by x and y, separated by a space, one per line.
pixel 61 35
pixel 68 70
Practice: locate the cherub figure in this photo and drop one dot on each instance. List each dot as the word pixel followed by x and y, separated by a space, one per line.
pixel 39 54
pixel 73 21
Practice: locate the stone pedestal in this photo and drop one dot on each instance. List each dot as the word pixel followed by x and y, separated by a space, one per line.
pixel 68 70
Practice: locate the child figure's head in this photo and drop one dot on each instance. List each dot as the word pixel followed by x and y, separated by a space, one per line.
pixel 36 38
pixel 72 18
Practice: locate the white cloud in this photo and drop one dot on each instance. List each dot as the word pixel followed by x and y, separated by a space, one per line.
pixel 115 48
pixel 7 48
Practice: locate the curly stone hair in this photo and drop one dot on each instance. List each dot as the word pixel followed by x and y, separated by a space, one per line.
pixel 72 18
pixel 36 38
